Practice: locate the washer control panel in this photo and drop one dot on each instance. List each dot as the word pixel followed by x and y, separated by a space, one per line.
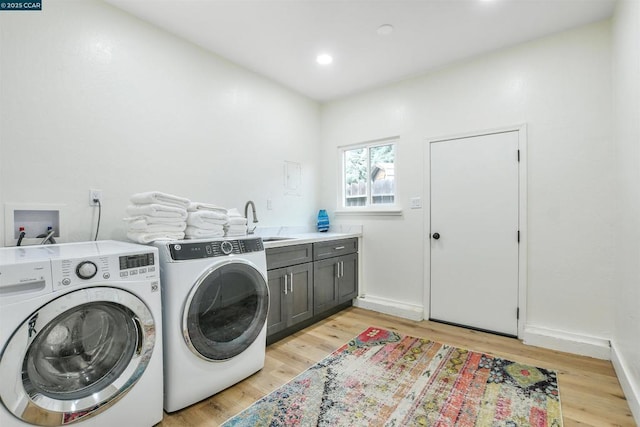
pixel 101 269
pixel 197 250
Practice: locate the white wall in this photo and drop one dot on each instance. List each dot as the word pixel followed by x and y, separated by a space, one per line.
pixel 560 87
pixel 91 97
pixel 626 126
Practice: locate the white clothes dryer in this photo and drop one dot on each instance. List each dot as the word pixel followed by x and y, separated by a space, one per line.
pixel 80 335
pixel 215 302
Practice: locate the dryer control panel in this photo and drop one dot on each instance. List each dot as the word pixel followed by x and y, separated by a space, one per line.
pixel 197 250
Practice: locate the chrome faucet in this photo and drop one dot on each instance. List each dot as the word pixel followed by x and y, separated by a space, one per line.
pixel 255 218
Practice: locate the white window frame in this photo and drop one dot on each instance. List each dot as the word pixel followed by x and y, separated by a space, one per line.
pixel 369 209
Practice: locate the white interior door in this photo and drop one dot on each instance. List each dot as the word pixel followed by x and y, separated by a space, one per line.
pixel 474 232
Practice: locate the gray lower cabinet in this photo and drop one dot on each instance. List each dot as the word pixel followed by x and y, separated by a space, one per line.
pixel 308 280
pixel 335 275
pixel 348 284
pixel 290 296
pixel 290 286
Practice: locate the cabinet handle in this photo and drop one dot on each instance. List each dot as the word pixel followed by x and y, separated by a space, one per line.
pixel 340 269
pixel 336 268
pixel 286 277
pixel 291 283
pixel 339 248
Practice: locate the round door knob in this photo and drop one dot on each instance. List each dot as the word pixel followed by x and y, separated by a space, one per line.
pixel 436 236
pixel 86 270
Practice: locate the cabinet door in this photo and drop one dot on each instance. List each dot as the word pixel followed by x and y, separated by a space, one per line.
pixel 325 284
pixel 300 304
pixel 348 285
pixel 277 317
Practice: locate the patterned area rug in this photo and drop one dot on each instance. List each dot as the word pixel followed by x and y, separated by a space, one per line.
pixel 382 378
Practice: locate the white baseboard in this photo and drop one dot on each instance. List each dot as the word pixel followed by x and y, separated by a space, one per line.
pixel 386 306
pixel 631 389
pixel 569 342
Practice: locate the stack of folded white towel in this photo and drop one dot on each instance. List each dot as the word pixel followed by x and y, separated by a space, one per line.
pixel 205 220
pixel 236 224
pixel 156 216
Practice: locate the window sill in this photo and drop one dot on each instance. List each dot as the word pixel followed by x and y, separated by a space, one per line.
pixel 369 212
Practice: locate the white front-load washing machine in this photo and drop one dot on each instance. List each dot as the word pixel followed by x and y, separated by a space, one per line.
pixel 215 302
pixel 80 335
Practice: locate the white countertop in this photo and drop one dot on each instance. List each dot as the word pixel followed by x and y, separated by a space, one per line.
pixel 301 235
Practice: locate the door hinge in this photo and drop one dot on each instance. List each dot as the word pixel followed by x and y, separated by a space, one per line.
pixel 518 313
pixel 518 155
pixel 518 236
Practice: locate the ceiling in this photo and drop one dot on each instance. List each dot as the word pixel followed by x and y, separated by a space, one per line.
pixel 280 39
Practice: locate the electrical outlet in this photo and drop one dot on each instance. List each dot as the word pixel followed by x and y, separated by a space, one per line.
pixel 95 195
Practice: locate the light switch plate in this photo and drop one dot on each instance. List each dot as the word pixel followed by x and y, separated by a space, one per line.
pixel 415 203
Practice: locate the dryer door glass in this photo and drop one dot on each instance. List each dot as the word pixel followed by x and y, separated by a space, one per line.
pixel 226 310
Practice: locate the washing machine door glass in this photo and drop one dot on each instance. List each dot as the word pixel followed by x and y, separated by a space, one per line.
pixel 81 351
pixel 76 356
pixel 226 310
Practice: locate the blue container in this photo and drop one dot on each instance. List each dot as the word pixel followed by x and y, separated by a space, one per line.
pixel 323 220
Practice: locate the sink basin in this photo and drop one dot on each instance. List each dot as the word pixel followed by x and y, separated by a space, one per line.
pixel 276 238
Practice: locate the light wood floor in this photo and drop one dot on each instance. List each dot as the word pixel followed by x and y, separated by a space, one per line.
pixel 589 390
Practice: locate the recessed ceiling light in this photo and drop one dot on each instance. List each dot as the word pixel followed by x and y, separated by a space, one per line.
pixel 324 59
pixel 385 30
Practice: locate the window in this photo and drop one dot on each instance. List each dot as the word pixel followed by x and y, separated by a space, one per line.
pixel 368 174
